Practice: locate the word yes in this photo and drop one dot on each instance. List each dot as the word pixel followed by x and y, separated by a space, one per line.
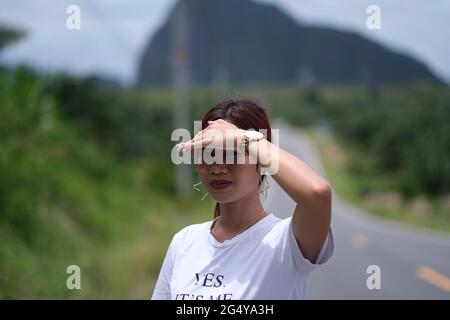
pixel 209 280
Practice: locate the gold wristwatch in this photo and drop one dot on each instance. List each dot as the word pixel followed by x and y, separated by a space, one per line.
pixel 249 135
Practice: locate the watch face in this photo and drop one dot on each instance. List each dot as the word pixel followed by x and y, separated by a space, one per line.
pixel 254 135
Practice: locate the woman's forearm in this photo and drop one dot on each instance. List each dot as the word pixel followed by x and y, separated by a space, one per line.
pixel 292 174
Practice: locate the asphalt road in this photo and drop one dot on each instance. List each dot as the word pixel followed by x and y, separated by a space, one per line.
pixel 413 263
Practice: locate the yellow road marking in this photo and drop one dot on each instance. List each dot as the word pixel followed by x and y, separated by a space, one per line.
pixel 359 241
pixel 433 277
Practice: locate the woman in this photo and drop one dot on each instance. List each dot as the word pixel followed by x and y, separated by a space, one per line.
pixel 246 252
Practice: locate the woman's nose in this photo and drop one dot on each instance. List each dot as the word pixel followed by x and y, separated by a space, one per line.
pixel 218 168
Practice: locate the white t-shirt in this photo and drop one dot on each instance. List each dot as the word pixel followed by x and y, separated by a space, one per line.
pixel 263 262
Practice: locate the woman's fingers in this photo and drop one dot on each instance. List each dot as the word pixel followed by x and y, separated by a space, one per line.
pixel 198 144
pixel 205 133
pixel 186 145
pixel 202 138
pixel 197 137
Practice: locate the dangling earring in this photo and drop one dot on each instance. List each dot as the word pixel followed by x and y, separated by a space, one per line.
pixel 197 189
pixel 263 186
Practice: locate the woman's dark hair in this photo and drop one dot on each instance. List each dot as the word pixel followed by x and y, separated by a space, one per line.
pixel 244 114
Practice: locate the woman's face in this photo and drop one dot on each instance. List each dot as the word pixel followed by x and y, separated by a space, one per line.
pixel 229 182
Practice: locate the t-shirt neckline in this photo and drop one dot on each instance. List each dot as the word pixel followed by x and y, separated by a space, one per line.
pixel 215 243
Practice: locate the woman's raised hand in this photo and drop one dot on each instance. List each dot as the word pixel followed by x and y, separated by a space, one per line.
pixel 219 134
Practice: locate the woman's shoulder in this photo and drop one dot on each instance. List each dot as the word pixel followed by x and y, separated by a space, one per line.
pixel 277 226
pixel 192 231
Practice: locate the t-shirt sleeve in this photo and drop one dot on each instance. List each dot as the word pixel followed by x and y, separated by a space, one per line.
pixel 162 286
pixel 290 253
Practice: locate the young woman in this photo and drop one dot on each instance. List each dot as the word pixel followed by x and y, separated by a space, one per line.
pixel 246 252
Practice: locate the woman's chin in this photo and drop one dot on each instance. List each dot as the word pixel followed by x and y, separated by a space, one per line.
pixel 222 196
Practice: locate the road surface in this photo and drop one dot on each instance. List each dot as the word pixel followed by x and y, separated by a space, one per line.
pixel 414 263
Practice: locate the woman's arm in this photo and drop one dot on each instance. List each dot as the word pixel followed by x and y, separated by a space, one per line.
pixel 312 215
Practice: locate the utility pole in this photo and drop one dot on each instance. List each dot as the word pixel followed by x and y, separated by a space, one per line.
pixel 181 84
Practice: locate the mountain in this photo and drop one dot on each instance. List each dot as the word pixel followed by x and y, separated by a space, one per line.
pixel 244 42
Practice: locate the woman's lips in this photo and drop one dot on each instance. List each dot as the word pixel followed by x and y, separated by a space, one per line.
pixel 220 184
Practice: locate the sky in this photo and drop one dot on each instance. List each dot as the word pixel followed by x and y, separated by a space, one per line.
pixel 114 33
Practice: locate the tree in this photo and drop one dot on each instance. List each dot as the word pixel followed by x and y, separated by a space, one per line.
pixel 9 35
